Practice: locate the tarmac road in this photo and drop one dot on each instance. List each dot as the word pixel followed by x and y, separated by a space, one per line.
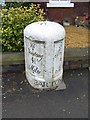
pixel 20 100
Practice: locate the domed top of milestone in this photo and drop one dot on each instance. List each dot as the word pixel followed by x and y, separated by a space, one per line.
pixel 44 31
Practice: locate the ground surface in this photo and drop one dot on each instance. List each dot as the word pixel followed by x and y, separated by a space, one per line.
pixel 77 37
pixel 22 101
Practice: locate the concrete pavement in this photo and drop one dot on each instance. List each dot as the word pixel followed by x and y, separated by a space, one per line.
pixel 20 100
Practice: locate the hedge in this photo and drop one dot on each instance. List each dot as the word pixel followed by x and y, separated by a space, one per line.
pixel 14 20
pixel 16 4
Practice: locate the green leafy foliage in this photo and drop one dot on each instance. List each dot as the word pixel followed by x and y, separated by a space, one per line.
pixel 14 20
pixel 16 4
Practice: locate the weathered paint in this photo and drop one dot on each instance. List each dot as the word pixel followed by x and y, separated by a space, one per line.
pixel 44 52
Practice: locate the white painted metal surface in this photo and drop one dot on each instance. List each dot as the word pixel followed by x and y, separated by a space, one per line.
pixel 44 53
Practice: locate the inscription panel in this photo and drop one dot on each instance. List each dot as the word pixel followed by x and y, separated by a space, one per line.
pixel 35 57
pixel 58 56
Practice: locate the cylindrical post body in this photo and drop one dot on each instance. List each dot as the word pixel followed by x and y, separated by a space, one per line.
pixel 44 53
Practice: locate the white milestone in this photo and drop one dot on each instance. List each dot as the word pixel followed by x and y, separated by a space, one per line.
pixel 44 55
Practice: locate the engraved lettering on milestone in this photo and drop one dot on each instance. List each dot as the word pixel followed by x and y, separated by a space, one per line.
pixel 35 58
pixel 59 51
pixel 34 53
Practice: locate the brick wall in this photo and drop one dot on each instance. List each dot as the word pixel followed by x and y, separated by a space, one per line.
pixel 75 64
pixel 58 14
